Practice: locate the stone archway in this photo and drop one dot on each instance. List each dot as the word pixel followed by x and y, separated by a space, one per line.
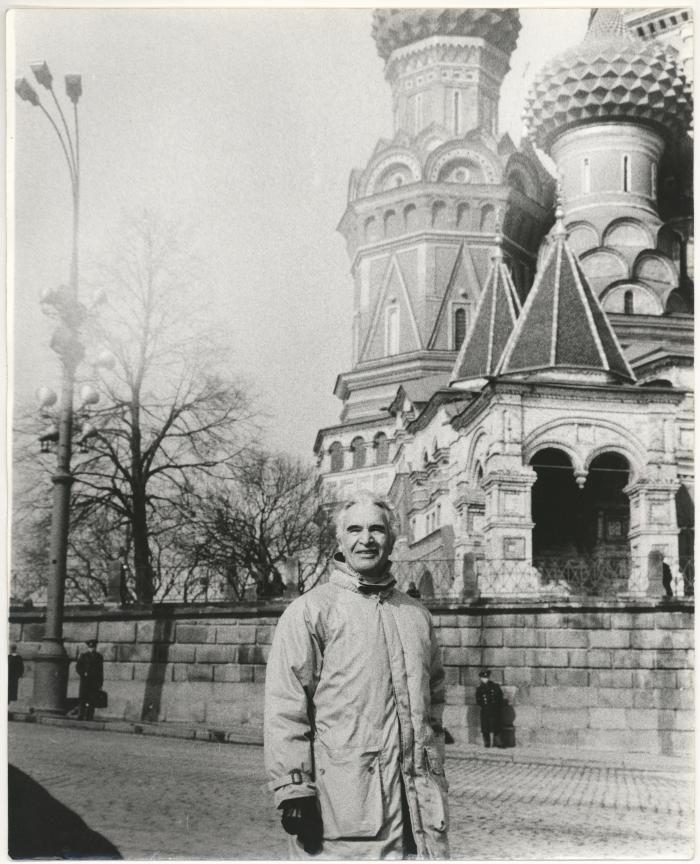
pixel 555 506
pixel 685 518
pixel 606 508
pixel 581 521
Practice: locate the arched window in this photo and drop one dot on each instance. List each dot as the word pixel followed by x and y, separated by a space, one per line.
pixel 460 328
pixel 652 179
pixel 381 449
pixel 626 173
pixel 357 448
pixel 391 330
pixel 336 453
pixel 437 515
pixel 586 177
pixel 455 111
pixel 629 302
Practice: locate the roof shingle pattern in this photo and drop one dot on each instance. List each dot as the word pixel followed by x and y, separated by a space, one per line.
pixel 395 28
pixel 611 75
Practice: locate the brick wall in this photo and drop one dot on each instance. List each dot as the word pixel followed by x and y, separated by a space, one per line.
pixel 612 677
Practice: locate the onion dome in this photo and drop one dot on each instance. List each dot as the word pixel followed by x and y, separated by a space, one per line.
pixel 562 327
pixel 395 28
pixel 611 76
pixel 493 323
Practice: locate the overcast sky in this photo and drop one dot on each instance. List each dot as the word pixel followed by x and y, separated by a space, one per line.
pixel 244 123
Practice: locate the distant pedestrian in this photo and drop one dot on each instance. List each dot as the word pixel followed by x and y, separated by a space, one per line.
pixel 489 697
pixel 412 591
pixel 15 670
pixel 667 578
pixel 90 668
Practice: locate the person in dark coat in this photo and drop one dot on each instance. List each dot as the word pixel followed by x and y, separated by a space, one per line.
pixel 489 697
pixel 89 667
pixel 667 579
pixel 15 670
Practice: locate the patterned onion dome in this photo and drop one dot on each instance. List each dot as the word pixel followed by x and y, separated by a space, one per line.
pixel 611 75
pixel 394 28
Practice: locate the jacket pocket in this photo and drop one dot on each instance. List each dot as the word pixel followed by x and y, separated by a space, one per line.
pixel 349 785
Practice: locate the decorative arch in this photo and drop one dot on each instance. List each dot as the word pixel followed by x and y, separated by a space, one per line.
pixel 603 266
pixel 391 224
pixel 482 165
pixel 463 214
pixel 410 217
pixel 582 237
pixel 397 167
pixel 487 221
pixel 439 215
pixel 655 269
pixel 644 301
pixel 560 433
pixel 627 233
pixel 476 456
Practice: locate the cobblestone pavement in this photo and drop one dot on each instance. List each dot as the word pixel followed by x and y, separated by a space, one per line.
pixel 167 798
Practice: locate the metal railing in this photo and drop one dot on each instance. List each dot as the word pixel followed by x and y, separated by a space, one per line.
pixel 546 577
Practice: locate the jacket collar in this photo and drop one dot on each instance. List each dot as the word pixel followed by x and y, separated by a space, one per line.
pixel 347 577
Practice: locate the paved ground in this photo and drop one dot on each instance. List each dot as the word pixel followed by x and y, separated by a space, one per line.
pixel 168 798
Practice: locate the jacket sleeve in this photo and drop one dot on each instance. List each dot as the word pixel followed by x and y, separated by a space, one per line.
pixel 292 673
pixel 100 672
pixel 437 682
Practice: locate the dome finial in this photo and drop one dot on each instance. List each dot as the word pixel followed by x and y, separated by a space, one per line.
pixel 559 229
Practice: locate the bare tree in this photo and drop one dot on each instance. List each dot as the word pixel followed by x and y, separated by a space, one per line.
pixel 249 529
pixel 169 412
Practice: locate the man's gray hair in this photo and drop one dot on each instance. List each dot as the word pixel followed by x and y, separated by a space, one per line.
pixel 364 496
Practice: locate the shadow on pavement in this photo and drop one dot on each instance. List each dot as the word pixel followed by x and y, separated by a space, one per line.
pixel 39 826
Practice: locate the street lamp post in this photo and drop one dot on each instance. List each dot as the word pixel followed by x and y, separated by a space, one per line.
pixel 51 662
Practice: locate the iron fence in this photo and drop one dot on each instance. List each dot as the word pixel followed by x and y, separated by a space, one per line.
pixel 546 577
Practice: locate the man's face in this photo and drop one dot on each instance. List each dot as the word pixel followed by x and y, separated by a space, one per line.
pixel 365 539
pixel 484 679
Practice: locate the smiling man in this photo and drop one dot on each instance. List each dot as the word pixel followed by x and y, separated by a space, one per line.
pixel 353 705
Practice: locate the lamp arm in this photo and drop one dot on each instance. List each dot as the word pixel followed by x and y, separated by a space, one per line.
pixel 65 126
pixel 63 143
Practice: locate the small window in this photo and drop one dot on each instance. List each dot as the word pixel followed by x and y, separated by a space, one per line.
pixel 626 173
pixel 684 16
pixel 455 111
pixel 586 177
pixel 460 328
pixel 652 29
pixel 336 453
pixel 640 31
pixel 652 179
pixel 662 24
pixel 674 20
pixel 437 515
pixel 629 302
pixel 358 453
pixel 418 115
pixel 381 448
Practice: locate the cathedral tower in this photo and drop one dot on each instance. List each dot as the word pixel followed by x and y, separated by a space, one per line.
pixel 421 221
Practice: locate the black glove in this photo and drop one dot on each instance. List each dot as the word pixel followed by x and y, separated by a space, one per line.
pixel 302 817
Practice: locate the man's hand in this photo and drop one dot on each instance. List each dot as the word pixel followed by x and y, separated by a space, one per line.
pixel 302 817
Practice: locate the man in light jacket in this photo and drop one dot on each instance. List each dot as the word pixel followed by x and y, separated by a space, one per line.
pixel 353 708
